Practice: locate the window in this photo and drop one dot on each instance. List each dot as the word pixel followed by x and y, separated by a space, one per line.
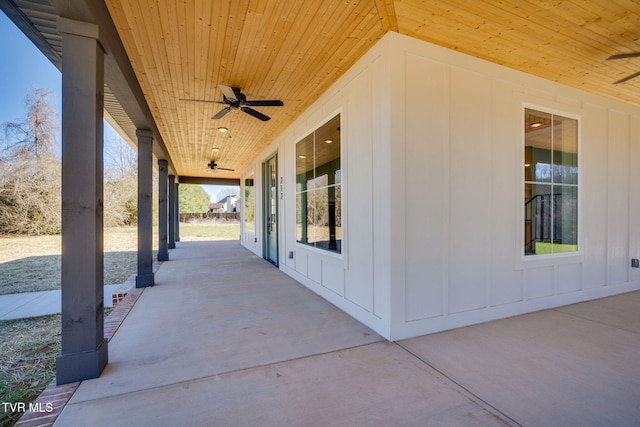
pixel 319 188
pixel 550 183
pixel 249 205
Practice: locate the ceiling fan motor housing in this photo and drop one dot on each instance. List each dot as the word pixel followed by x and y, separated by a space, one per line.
pixel 239 95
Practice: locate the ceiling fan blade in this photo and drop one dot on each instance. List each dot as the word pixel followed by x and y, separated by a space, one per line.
pixel 255 113
pixel 228 92
pixel 634 75
pixel 266 103
pixel 202 100
pixel 225 169
pixel 624 55
pixel 220 114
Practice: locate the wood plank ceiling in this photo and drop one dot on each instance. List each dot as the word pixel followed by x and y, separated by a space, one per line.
pixel 294 50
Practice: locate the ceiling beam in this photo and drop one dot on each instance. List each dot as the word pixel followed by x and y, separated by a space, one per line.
pixel 209 181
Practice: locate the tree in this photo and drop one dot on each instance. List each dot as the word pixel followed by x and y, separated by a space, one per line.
pixel 30 171
pixel 121 184
pixel 36 133
pixel 120 160
pixel 193 199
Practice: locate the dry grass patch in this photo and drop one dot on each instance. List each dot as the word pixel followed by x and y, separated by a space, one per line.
pixel 203 231
pixel 32 263
pixel 29 346
pixel 27 359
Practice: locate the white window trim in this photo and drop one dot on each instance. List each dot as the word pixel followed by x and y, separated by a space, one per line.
pixel 562 257
pixel 339 256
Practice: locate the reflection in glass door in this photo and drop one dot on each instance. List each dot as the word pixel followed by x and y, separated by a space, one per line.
pixel 270 170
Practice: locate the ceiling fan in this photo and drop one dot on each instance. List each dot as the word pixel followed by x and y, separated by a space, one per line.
pixel 622 56
pixel 236 100
pixel 214 167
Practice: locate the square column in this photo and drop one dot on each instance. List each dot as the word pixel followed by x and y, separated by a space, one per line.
pixel 84 348
pixel 177 212
pixel 172 212
pixel 163 212
pixel 145 276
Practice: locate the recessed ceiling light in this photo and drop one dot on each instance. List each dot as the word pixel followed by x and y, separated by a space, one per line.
pixel 535 124
pixel 527 165
pixel 215 149
pixel 223 129
pixel 302 156
pixel 328 141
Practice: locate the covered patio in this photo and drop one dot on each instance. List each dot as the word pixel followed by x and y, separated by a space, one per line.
pixel 224 338
pixel 422 93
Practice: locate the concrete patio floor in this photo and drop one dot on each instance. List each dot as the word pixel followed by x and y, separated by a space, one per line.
pixel 226 339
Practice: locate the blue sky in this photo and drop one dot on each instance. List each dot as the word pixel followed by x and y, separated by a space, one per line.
pixel 22 67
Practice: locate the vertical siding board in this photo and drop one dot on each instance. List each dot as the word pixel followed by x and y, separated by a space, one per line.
pixel 359 276
pixel 333 277
pixel 618 198
pixel 315 269
pixel 593 194
pixel 426 118
pixel 385 199
pixel 301 263
pixel 568 278
pixel 470 191
pixel 633 194
pixel 506 169
pixel 539 282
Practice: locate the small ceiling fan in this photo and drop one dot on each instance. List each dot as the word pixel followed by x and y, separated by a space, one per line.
pixel 623 56
pixel 214 166
pixel 236 100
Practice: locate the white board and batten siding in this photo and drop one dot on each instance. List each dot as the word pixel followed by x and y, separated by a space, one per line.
pixel 432 161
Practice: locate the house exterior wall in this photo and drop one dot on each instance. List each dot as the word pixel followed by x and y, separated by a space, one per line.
pixel 358 279
pixel 433 160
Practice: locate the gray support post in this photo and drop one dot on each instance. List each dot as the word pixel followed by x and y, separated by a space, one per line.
pixel 172 212
pixel 177 211
pixel 145 276
pixel 84 349
pixel 163 212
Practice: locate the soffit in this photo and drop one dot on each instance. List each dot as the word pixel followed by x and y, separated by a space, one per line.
pixel 294 50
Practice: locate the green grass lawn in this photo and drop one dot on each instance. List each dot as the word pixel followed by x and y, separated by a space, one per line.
pixel 191 232
pixel 542 248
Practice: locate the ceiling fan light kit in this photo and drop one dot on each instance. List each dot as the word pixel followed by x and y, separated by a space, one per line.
pixel 236 100
pixel 214 166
